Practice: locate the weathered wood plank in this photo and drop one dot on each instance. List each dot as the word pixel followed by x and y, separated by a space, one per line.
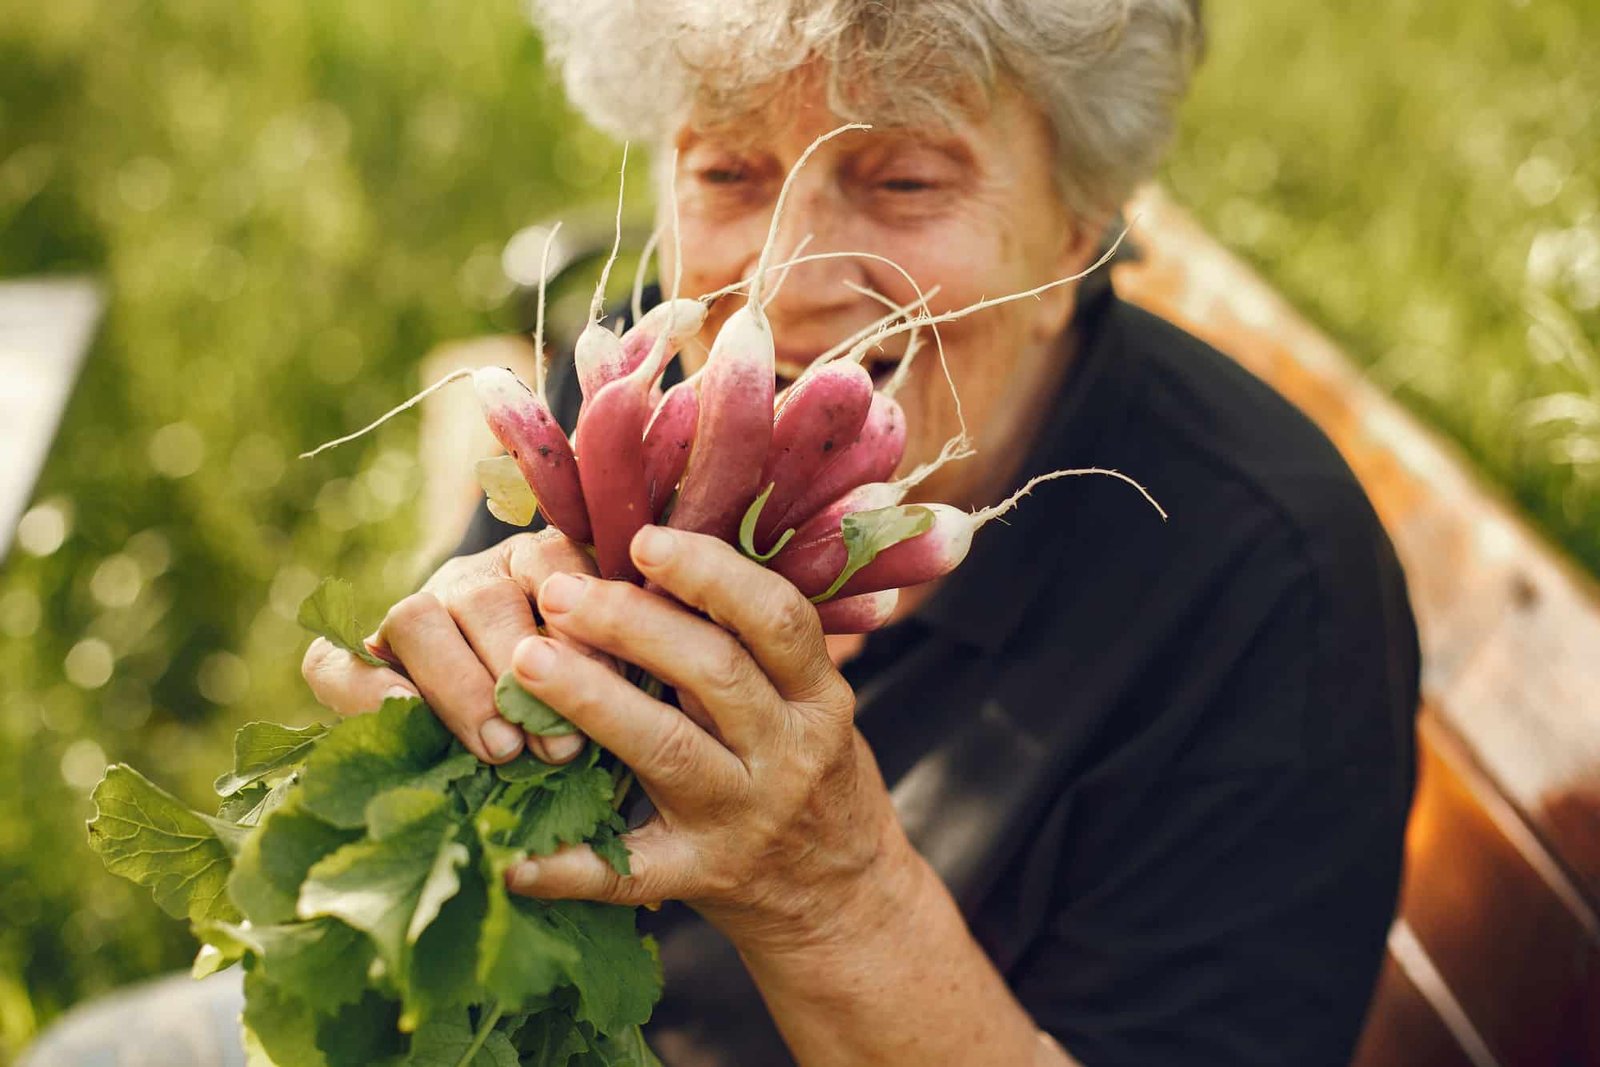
pixel 1510 630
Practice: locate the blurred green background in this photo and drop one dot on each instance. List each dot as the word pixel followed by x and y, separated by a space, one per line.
pixel 291 201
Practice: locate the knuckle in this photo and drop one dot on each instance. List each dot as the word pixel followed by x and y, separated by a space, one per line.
pixel 725 669
pixel 450 573
pixel 794 619
pixel 315 662
pixel 412 610
pixel 676 749
pixel 486 599
pixel 605 607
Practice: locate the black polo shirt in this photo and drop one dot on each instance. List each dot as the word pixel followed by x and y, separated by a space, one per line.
pixel 1164 767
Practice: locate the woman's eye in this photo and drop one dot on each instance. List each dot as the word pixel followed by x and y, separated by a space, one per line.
pixel 905 185
pixel 722 175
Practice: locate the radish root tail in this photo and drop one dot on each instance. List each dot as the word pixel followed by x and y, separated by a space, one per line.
pixel 453 376
pixel 1011 501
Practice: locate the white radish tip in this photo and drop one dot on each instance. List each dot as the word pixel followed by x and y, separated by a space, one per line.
pixel 745 336
pixel 884 602
pixel 498 388
pixel 684 318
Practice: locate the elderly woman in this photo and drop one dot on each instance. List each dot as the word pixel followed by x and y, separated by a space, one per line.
pixel 1117 792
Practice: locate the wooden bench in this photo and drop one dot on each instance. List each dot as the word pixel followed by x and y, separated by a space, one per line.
pixel 1495 956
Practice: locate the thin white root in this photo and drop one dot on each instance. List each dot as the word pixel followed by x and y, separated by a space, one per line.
pixel 1010 502
pixel 983 305
pixel 886 301
pixel 539 359
pixel 957 448
pixel 733 287
pixel 777 286
pixel 677 228
pixel 453 376
pixel 896 311
pixel 765 259
pixel 639 271
pixel 597 304
pixel 658 347
pixel 902 370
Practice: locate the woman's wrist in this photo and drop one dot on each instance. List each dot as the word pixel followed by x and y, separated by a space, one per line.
pixel 892 975
pixel 864 925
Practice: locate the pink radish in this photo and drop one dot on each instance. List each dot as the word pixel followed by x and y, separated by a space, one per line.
pixel 611 469
pixel 820 418
pixel 871 457
pixel 858 614
pixel 734 430
pixel 678 320
pixel 597 355
pixel 736 392
pixel 523 425
pixel 667 440
pixel 896 563
pixel 819 535
pixel 597 358
pixel 611 464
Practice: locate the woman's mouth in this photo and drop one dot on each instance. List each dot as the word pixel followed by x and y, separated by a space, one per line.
pixel 881 365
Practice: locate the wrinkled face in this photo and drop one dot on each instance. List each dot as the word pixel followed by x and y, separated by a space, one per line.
pixel 970 208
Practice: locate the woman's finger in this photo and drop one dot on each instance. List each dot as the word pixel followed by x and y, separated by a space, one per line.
pixel 450 676
pixel 347 684
pixel 661 867
pixel 495 616
pixel 677 760
pixel 768 614
pixel 687 652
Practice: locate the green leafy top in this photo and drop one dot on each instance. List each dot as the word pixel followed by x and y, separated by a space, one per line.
pixel 369 859
pixel 506 491
pixel 527 710
pixel 866 533
pixel 330 611
pixel 747 529
pixel 266 750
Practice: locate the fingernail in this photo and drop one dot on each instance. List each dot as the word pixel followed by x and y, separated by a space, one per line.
pixel 500 738
pixel 564 747
pixel 653 545
pixel 523 875
pixel 534 658
pixel 399 692
pixel 560 592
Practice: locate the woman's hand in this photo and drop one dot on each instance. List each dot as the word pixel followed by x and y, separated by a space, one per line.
pixel 451 641
pixel 772 816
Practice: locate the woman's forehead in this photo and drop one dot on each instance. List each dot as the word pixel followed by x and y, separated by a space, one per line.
pixel 811 100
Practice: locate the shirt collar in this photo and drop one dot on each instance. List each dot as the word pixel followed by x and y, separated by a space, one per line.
pixel 984 601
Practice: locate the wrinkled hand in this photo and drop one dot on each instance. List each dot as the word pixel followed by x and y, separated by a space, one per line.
pixel 771 812
pixel 451 641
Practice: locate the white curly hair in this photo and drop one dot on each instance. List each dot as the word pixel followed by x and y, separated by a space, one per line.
pixel 1107 74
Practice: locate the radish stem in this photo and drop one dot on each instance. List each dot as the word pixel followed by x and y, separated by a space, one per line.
pixel 453 376
pixel 639 271
pixel 783 195
pixel 983 515
pixel 598 302
pixel 538 320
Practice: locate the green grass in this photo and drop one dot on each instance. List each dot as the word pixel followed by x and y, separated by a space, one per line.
pixel 290 202
pixel 1422 178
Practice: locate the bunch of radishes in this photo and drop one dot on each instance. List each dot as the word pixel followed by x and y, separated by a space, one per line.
pixel 798 480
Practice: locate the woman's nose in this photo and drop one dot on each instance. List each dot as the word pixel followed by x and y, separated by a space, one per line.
pixel 818 288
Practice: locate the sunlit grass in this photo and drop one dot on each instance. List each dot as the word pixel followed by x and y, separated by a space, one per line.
pixel 1423 179
pixel 291 202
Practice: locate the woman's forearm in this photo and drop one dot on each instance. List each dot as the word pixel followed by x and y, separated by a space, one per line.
pixel 894 976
